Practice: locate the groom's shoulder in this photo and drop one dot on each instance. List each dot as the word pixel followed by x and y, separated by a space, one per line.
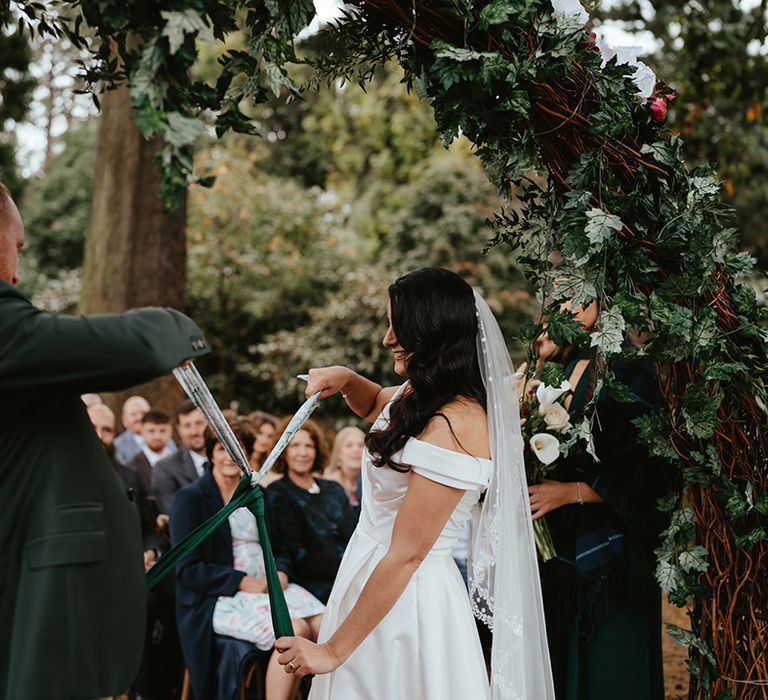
pixel 9 293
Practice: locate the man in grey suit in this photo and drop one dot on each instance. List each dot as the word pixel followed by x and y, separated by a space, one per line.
pixel 186 465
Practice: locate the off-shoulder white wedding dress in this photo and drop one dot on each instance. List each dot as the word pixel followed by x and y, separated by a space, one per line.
pixel 427 646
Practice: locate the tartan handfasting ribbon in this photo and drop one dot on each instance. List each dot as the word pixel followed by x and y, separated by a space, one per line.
pixel 247 494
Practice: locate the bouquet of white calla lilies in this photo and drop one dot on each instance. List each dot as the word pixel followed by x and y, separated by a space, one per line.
pixel 548 434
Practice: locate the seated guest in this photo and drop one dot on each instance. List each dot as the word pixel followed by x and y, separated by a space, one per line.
pixel 309 516
pixel 156 436
pixel 103 421
pixel 263 425
pixel 187 464
pixel 128 443
pixel 91 400
pixel 222 589
pixel 161 665
pixel 346 461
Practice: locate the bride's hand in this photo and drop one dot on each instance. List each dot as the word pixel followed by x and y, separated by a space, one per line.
pixel 329 380
pixel 302 657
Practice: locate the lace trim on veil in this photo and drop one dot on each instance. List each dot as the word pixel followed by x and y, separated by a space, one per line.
pixel 504 588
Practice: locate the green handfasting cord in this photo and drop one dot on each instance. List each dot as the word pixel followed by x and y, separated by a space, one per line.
pixel 247 494
pixel 253 499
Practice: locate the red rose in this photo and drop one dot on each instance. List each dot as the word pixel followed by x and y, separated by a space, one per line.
pixel 658 109
pixel 591 43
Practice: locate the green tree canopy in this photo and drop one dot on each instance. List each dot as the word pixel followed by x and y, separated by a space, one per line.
pixel 16 85
pixel 715 55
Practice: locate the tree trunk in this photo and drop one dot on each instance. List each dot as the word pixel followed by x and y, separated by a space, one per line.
pixel 135 253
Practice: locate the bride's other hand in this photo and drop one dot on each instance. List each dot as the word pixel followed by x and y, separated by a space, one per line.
pixel 329 381
pixel 302 657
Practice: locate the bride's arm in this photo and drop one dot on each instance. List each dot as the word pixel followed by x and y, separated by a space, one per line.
pixel 423 514
pixel 364 397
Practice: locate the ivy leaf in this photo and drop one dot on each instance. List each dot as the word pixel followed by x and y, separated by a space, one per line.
pixel 660 151
pixel 751 538
pixel 577 285
pixel 688 639
pixel 705 328
pixel 736 504
pixel 610 331
pixel 668 502
pixel 684 520
pixel 724 370
pixel 703 188
pixel 723 243
pixel 694 559
pixel 552 374
pixel 671 318
pixel 668 576
pixel 761 504
pixel 738 264
pixel 179 24
pixel 454 53
pixel 633 307
pixel 182 131
pixel 700 410
pixel 275 79
pixel 563 328
pixel 651 432
pixel 600 227
pixel 499 11
pixel 577 199
pixel 583 432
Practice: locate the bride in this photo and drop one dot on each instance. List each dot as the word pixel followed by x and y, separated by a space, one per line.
pixel 399 621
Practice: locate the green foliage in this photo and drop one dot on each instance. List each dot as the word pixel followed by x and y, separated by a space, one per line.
pixel 709 52
pixel 285 274
pixel 552 374
pixel 16 85
pixel 609 336
pixel 56 207
pixel 653 244
pixel 700 407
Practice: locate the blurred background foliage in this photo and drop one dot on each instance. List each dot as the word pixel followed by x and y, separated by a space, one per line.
pixel 714 53
pixel 290 252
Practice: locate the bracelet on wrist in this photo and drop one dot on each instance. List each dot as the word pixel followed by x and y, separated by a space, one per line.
pixel 348 393
pixel 578 493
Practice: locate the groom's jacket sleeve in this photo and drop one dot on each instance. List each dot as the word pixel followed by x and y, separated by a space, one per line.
pixel 40 351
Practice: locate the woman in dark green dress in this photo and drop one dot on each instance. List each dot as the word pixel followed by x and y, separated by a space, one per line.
pixel 602 602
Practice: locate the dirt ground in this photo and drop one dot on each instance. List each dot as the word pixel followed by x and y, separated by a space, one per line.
pixel 675 656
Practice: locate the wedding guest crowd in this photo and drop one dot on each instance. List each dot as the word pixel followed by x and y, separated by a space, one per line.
pixel 220 595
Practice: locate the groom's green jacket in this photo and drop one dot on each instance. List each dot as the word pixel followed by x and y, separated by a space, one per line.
pixel 72 599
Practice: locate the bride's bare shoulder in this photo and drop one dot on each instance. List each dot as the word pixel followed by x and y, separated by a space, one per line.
pixel 462 426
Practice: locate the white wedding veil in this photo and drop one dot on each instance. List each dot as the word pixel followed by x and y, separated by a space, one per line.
pixel 503 574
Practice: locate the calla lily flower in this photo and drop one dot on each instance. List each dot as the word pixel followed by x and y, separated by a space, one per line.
pixel 546 447
pixel 547 395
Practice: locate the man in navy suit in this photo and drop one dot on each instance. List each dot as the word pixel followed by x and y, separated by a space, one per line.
pixel 184 466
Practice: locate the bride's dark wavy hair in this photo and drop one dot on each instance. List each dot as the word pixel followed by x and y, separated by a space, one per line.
pixel 434 318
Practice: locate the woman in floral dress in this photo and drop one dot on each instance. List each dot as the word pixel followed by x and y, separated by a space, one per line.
pixel 222 589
